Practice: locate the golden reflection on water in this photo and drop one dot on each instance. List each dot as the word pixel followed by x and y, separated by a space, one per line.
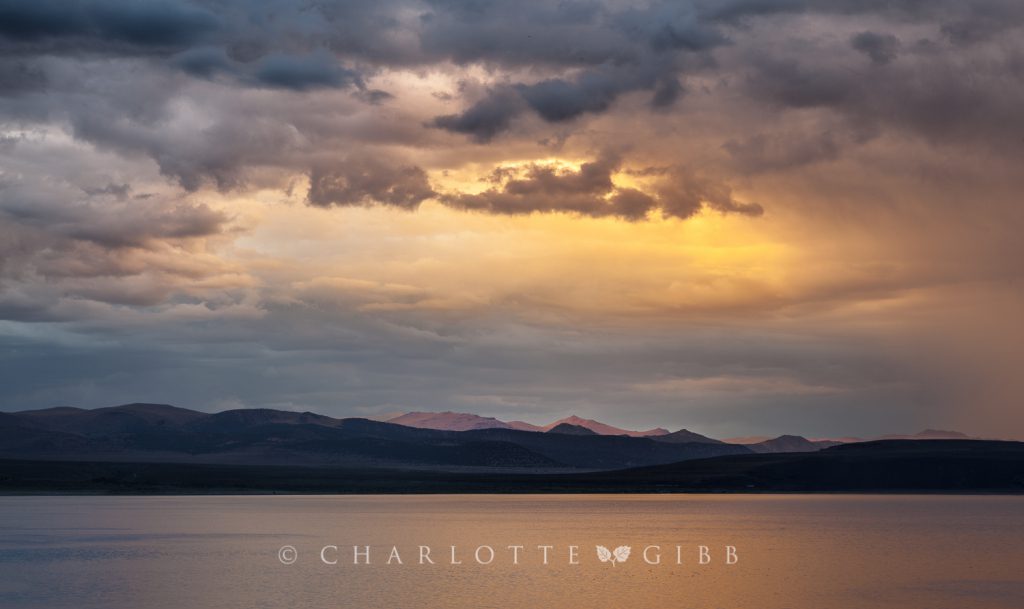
pixel 797 552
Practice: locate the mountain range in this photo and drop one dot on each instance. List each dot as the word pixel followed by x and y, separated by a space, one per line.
pixel 161 448
pixel 460 421
pixel 445 440
pixel 163 433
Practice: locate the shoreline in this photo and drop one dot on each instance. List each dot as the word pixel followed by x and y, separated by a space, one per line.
pixel 880 473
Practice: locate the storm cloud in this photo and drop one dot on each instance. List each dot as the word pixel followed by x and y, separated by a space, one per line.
pixel 368 180
pixel 757 215
pixel 590 191
pixel 156 23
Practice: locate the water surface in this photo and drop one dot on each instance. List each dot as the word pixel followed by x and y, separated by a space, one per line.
pixel 798 552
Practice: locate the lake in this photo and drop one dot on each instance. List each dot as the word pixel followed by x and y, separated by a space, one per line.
pixel 787 551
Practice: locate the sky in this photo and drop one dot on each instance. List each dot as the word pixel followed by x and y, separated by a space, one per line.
pixel 736 216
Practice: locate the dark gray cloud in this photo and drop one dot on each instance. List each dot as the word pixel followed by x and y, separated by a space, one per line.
pixel 928 95
pixel 558 100
pixel 189 35
pixel 486 118
pixel 973 30
pixel 19 77
pixel 880 48
pixel 364 180
pixel 743 11
pixel 670 26
pixel 302 72
pixel 650 40
pixel 684 192
pixel 657 39
pixel 668 91
pixel 796 84
pixel 171 23
pixel 204 61
pixel 562 62
pixel 563 34
pixel 775 151
pixel 590 191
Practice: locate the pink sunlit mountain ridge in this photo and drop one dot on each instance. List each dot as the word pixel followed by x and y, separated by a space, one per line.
pixel 461 421
pixel 160 433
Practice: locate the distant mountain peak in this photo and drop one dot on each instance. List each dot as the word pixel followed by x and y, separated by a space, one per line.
pixel 569 428
pixel 603 428
pixel 789 443
pixel 461 421
pixel 685 435
pixel 448 421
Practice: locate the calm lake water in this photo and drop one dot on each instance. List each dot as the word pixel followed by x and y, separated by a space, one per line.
pixel 797 552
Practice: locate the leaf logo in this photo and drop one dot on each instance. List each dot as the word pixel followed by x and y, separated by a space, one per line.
pixel 619 554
